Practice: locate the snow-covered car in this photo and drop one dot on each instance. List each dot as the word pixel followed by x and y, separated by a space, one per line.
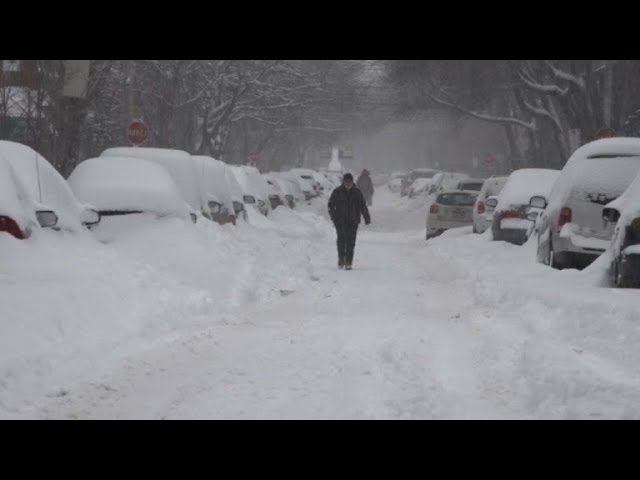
pixel 277 196
pixel 335 178
pixel 123 186
pixel 20 213
pixel 179 164
pixel 236 193
pixel 407 182
pixel 395 184
pixel 291 186
pixel 307 175
pixel 305 183
pixel 255 190
pixel 623 217
pixel 450 210
pixel 46 189
pixel 571 232
pixel 420 186
pixel 483 213
pixel 215 189
pixel 511 220
pixel 325 185
pixel 470 184
pixel 286 189
pixel 445 181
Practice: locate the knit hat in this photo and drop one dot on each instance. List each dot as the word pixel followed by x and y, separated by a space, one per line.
pixel 347 178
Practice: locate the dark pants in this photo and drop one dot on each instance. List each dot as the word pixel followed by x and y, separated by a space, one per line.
pixel 346 241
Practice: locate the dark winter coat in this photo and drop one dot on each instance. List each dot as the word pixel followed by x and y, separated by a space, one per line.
pixel 365 185
pixel 346 206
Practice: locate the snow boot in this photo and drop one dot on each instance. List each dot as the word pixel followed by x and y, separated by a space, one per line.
pixel 341 263
pixel 348 266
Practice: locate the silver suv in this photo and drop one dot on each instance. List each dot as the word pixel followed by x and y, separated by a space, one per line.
pixel 571 231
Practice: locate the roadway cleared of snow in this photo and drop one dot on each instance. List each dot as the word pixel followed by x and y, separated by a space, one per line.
pixel 258 322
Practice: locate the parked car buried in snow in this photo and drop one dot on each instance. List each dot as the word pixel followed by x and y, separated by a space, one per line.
pixel 407 182
pixel 20 213
pixel 215 189
pixel 571 232
pixel 483 213
pixel 179 164
pixel 526 189
pixel 40 189
pixel 255 190
pixel 121 186
pixel 622 217
pixel 450 210
pixel 419 187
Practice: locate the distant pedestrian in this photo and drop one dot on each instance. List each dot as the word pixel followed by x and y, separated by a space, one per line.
pixel 365 185
pixel 346 206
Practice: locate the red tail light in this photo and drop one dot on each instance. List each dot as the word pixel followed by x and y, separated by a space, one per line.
pixel 480 208
pixel 565 216
pixel 232 219
pixel 433 208
pixel 10 226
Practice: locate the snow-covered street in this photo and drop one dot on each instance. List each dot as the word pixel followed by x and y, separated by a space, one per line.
pixel 258 322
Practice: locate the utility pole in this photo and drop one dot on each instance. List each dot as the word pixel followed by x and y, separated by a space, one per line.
pixel 74 94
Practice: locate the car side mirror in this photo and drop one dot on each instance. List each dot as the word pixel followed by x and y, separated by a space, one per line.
pixel 491 202
pixel 610 215
pixel 538 202
pixel 89 217
pixel 47 218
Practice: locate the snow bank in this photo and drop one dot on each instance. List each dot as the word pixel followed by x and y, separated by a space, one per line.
pixel 71 304
pixel 66 302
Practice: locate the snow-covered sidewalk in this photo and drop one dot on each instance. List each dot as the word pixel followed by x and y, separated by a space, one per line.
pixel 258 322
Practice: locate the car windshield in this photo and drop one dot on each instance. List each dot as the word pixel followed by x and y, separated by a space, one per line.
pixel 473 186
pixel 457 199
pixel 423 174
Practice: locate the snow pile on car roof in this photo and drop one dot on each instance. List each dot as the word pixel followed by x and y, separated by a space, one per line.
pixel 127 184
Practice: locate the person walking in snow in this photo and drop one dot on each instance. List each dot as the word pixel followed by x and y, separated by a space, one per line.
pixel 365 185
pixel 346 206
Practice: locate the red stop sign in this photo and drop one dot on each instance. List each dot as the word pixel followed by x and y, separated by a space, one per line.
pixel 137 132
pixel 605 133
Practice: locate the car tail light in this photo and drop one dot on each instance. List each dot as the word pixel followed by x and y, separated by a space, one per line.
pixel 565 216
pixel 10 226
pixel 480 208
pixel 433 208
